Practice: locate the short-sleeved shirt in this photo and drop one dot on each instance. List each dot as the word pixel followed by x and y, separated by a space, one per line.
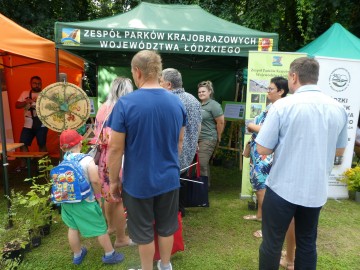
pixel 152 120
pixel 209 111
pixel 191 136
pixel 27 113
pixel 304 129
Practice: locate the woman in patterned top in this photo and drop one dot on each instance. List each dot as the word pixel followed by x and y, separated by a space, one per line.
pixel 260 166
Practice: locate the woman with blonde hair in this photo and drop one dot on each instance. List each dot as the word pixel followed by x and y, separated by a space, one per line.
pixel 114 209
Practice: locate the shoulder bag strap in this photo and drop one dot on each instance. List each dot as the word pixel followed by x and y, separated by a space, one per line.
pixel 102 127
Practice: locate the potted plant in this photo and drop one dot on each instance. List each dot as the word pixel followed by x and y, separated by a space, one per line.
pixel 351 177
pixel 32 231
pixel 14 244
pixel 14 239
pixel 37 201
pixel 45 166
pixel 252 203
pixel 11 255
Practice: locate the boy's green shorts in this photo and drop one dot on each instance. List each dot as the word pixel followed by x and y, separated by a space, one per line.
pixel 86 217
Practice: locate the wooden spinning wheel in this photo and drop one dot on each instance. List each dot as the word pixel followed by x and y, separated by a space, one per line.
pixel 62 106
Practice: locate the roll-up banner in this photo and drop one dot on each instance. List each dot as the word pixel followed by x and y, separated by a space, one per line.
pixel 339 78
pixel 262 66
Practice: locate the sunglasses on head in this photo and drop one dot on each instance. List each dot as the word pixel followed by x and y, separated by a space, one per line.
pixel 206 83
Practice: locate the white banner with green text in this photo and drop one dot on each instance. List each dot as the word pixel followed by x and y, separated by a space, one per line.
pixel 340 79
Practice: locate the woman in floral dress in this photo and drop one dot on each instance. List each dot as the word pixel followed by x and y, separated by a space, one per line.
pixel 260 165
pixel 114 210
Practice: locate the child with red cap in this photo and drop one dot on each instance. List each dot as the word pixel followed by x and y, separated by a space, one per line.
pixel 86 217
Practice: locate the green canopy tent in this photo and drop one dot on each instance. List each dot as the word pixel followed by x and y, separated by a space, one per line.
pixel 335 42
pixel 199 44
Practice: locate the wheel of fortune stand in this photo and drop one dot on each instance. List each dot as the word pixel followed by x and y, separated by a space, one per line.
pixel 62 106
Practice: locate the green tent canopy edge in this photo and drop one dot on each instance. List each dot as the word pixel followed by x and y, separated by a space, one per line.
pixel 169 29
pixel 335 42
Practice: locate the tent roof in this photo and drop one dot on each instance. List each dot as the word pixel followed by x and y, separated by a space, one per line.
pixel 173 29
pixel 335 42
pixel 19 41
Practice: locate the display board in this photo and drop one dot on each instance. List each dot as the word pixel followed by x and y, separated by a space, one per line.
pixel 233 111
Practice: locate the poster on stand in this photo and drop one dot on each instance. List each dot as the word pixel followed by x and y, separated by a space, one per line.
pixel 262 67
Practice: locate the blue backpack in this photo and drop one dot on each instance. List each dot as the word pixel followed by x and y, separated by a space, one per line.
pixel 69 183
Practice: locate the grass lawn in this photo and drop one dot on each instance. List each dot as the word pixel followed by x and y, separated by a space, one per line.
pixel 216 237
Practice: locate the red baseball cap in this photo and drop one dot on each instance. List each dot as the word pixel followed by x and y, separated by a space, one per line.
pixel 69 138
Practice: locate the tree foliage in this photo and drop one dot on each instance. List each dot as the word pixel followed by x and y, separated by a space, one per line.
pixel 39 16
pixel 301 21
pixel 296 21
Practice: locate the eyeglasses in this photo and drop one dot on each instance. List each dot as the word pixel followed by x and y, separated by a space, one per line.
pixel 269 89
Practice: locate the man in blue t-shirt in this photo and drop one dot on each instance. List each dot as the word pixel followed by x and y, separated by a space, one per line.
pixel 148 127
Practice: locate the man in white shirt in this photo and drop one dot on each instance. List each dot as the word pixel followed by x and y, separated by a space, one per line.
pixel 306 131
pixel 32 124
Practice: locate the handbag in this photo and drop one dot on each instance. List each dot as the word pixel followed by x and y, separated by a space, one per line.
pixel 246 152
pixel 196 188
pixel 95 149
pixel 197 194
pixel 178 244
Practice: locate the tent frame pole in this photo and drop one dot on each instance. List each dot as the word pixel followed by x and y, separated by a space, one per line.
pixel 57 64
pixel 4 157
pixel 58 80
